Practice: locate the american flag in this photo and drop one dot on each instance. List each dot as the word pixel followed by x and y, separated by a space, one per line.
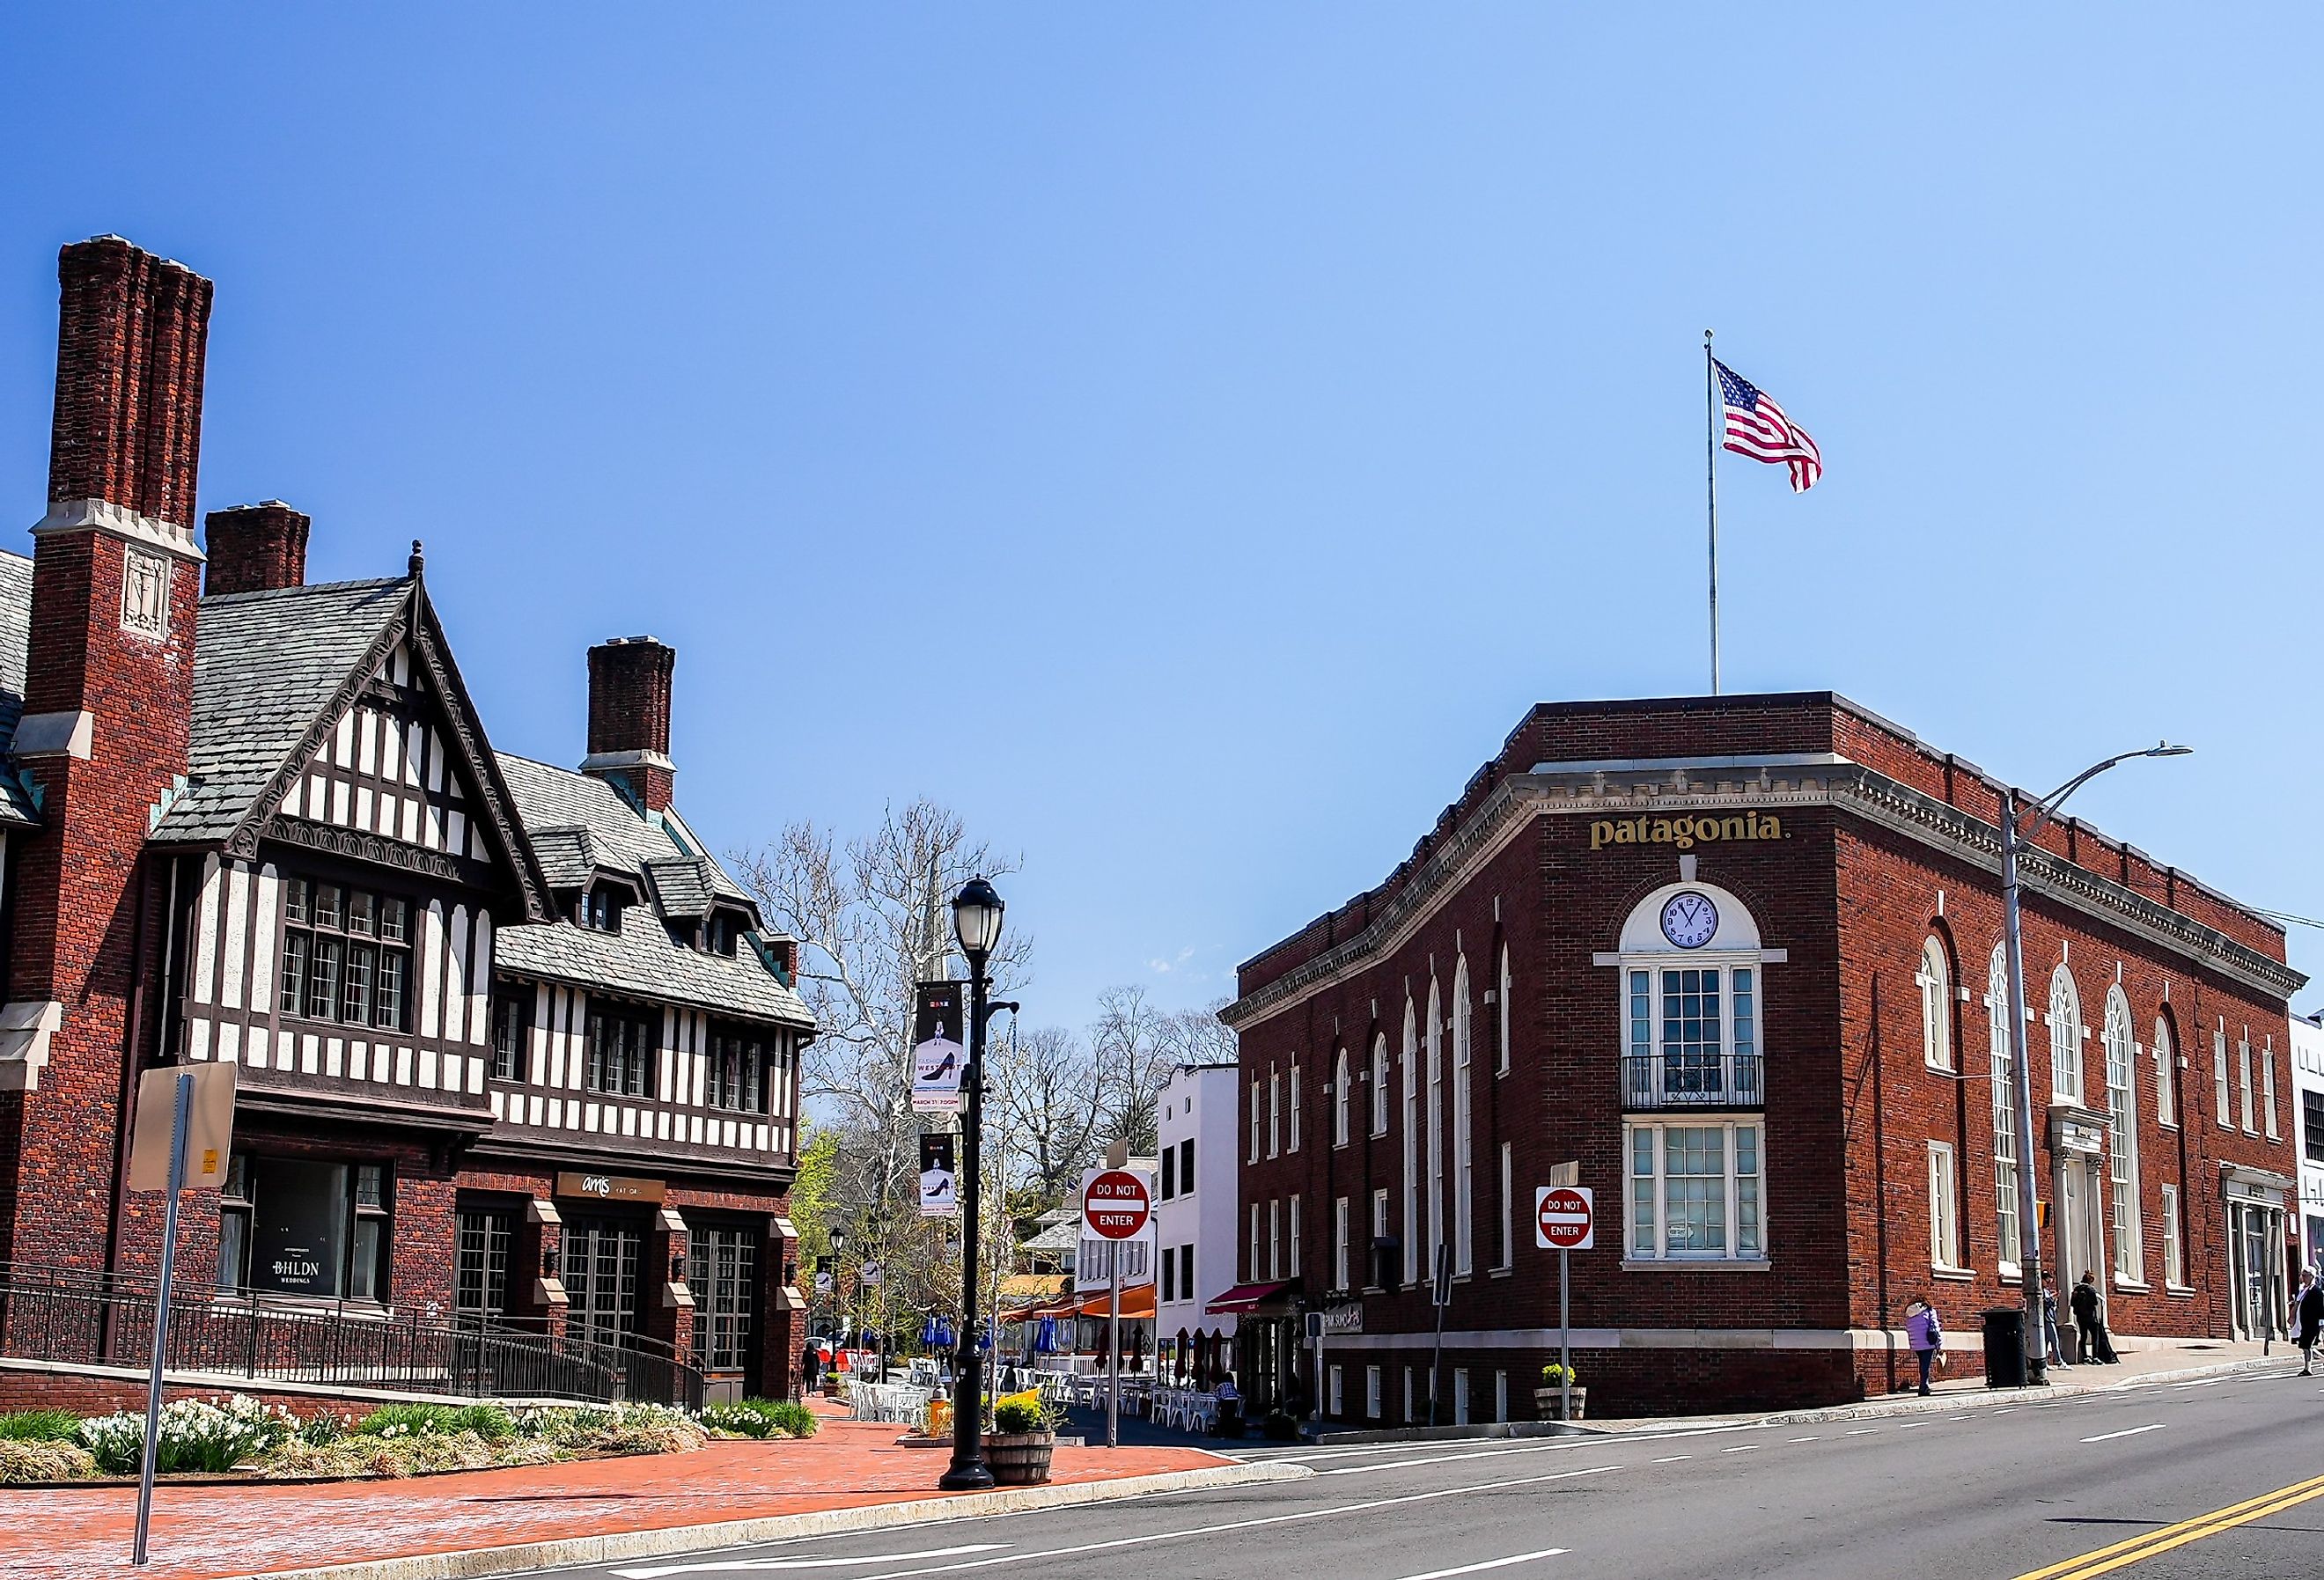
pixel 1758 428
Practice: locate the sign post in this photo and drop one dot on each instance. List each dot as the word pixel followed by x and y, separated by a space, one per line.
pixel 200 1132
pixel 1440 1294
pixel 1116 1208
pixel 1564 1221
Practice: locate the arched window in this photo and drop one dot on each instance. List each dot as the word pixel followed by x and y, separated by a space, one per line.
pixel 1501 1003
pixel 2005 1110
pixel 1936 1005
pixel 1339 1096
pixel 2166 1075
pixel 1435 1029
pixel 2065 1037
pixel 2121 1148
pixel 1382 1095
pixel 1689 967
pixel 1463 1148
pixel 1410 1062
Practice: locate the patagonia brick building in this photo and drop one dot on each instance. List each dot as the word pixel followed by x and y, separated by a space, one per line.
pixel 513 1048
pixel 1738 958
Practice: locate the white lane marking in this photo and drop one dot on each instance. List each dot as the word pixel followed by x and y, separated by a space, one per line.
pixel 1488 1564
pixel 757 1566
pixel 1673 1459
pixel 2201 1383
pixel 1739 1448
pixel 1859 1431
pixel 745 1565
pixel 1805 1440
pixel 2127 1432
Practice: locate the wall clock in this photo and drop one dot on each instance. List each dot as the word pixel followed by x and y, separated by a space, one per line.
pixel 1689 920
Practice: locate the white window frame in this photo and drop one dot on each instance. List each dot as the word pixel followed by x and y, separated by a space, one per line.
pixel 2174 1256
pixel 1339 1099
pixel 2122 1145
pixel 1464 1143
pixel 1508 1211
pixel 1295 1107
pixel 1410 1231
pixel 1254 1118
pixel 2005 1115
pixel 1648 1064
pixel 1339 1243
pixel 1255 1273
pixel 1935 983
pixel 1944 1208
pixel 1275 1238
pixel 1372 1393
pixel 1435 1111
pixel 1383 1085
pixel 2065 1023
pixel 2166 1077
pixel 2244 1081
pixel 1733 1195
pixel 1379 1232
pixel 1501 1004
pixel 1298 1268
pixel 1274 1112
pixel 2219 1074
pixel 2267 1090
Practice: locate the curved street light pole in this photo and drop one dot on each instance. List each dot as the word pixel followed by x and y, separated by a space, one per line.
pixel 2029 1231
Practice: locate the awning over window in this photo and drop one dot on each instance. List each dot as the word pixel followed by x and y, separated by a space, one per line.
pixel 1250 1300
pixel 1136 1301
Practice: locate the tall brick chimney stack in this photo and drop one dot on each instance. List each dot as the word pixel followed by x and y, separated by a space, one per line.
pixel 108 699
pixel 256 547
pixel 629 719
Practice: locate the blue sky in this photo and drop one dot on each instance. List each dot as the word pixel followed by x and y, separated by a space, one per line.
pixel 1186 438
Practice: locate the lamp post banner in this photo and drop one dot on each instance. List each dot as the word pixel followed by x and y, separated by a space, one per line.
pixel 939 1052
pixel 939 1177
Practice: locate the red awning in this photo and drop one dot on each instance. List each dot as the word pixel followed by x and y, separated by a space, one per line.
pixel 1245 1298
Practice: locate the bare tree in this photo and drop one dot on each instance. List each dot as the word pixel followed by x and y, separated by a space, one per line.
pixel 1132 1061
pixel 1051 1108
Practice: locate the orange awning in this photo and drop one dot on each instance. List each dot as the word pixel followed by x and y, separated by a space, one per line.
pixel 1136 1301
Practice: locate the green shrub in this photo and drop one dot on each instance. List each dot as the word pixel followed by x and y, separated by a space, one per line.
pixel 410 1420
pixel 1015 1416
pixel 490 1422
pixel 27 1460
pixel 322 1428
pixel 793 1420
pixel 761 1418
pixel 1556 1376
pixel 38 1425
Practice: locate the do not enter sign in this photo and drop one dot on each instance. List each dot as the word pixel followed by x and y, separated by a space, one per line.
pixel 1563 1217
pixel 1117 1206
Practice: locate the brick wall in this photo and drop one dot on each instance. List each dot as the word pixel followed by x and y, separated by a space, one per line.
pixel 629 710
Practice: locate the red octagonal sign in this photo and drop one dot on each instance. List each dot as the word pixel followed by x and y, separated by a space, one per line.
pixel 1562 1217
pixel 1117 1206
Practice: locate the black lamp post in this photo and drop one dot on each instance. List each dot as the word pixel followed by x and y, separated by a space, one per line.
pixel 977 926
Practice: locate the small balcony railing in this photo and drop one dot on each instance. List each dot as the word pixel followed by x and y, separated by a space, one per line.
pixel 1658 1081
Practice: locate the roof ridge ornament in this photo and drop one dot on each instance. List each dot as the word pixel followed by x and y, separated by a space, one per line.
pixel 417 564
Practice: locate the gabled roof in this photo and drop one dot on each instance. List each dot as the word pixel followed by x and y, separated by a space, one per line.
pixel 681 883
pixel 16 641
pixel 267 666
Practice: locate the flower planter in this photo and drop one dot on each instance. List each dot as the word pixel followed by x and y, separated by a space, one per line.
pixel 1019 1459
pixel 1547 1402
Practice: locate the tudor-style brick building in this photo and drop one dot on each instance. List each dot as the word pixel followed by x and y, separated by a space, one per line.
pixel 1737 957
pixel 513 1048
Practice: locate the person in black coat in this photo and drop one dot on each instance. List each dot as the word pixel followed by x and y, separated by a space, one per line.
pixel 2090 1320
pixel 2308 1318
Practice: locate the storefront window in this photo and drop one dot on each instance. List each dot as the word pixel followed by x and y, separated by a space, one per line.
pixel 304 1227
pixel 1695 1192
pixel 721 1270
pixel 480 1275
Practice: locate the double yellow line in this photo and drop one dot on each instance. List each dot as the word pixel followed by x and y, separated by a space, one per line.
pixel 2156 1542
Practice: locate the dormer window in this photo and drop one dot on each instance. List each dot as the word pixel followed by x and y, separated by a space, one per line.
pixel 719 933
pixel 601 908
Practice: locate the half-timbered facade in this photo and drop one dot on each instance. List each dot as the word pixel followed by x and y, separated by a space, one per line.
pixel 511 1046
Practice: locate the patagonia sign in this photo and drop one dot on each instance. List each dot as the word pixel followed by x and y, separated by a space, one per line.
pixel 1685 832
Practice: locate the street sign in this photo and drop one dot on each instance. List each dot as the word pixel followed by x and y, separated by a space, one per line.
pixel 1562 1217
pixel 1117 1206
pixel 937 1048
pixel 209 1126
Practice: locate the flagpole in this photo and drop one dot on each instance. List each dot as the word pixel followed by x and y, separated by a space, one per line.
pixel 1710 479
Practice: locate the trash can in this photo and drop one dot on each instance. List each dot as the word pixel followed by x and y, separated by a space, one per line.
pixel 2005 1348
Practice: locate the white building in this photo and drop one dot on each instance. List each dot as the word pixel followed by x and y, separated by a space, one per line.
pixel 2308 1126
pixel 1195 1206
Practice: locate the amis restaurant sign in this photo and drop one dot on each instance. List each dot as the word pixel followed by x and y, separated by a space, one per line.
pixel 1685 832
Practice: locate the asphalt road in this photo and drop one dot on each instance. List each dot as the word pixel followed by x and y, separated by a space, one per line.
pixel 2105 1483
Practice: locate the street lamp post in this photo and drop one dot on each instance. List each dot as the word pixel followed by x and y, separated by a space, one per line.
pixel 977 926
pixel 2029 1231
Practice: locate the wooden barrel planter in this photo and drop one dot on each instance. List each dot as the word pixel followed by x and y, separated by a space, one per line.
pixel 1019 1459
pixel 1547 1400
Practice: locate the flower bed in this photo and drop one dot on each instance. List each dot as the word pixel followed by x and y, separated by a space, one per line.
pixel 234 1433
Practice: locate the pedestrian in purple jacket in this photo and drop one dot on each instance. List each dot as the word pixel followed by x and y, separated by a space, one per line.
pixel 1926 1335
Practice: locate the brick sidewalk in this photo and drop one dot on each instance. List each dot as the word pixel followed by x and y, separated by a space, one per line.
pixel 203 1532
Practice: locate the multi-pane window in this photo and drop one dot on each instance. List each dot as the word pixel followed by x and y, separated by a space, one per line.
pixel 1254 1118
pixel 1258 1267
pixel 2122 1152
pixel 346 954
pixel 2243 1074
pixel 1693 1192
pixel 1464 1147
pixel 601 908
pixel 1294 1106
pixel 1508 1212
pixel 2005 1109
pixel 1293 1259
pixel 722 1264
pixel 1380 1084
pixel 368 1263
pixel 2166 1083
pixel 738 1070
pixel 2174 1271
pixel 1274 1239
pixel 1409 1065
pixel 1693 1035
pixel 234 1226
pixel 480 1270
pixel 621 1049
pixel 1340 1098
pixel 1936 1007
pixel 1340 1242
pixel 511 1029
pixel 1944 1208
pixel 1501 1004
pixel 2065 1038
pixel 2267 1090
pixel 1274 1112
pixel 2311 1114
pixel 2219 1074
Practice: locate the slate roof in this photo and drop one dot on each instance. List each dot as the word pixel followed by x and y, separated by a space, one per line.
pixel 640 960
pixel 682 884
pixel 266 666
pixel 15 641
pixel 567 856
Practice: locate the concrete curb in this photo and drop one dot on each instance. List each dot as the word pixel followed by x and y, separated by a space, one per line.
pixel 614 1546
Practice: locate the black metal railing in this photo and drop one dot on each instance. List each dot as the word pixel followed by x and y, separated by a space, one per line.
pixel 66 1316
pixel 1656 1081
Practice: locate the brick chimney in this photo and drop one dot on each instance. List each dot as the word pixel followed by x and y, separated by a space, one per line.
pixel 629 719
pixel 108 699
pixel 255 548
